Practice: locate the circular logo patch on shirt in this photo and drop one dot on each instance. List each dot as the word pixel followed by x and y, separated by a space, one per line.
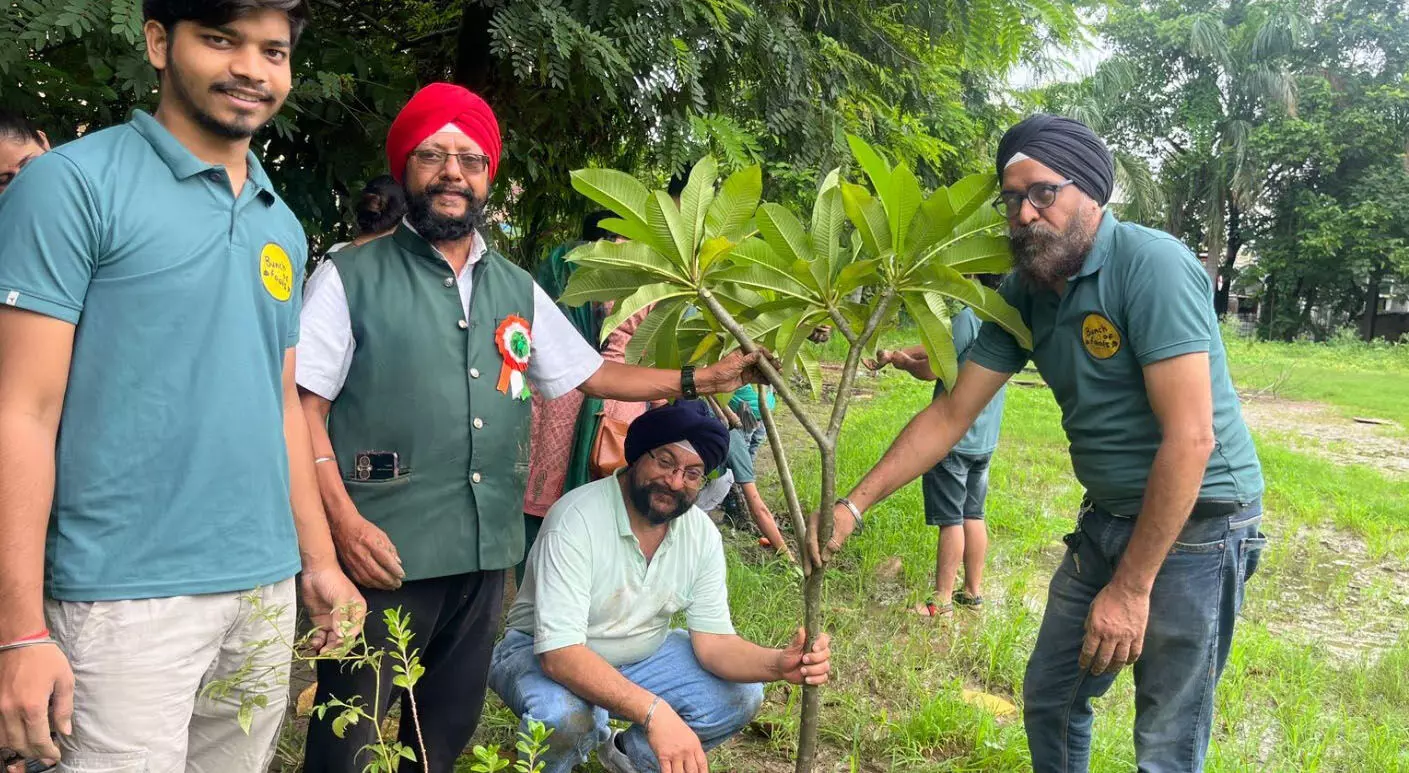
pixel 276 271
pixel 1100 337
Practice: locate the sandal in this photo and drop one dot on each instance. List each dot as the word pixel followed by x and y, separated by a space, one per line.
pixel 931 609
pixel 963 599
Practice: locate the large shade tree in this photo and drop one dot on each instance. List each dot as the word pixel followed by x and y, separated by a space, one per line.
pixel 1187 84
pixel 643 85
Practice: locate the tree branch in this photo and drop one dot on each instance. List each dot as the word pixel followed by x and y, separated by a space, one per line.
pixel 774 377
pixel 785 476
pixel 853 358
pixel 369 19
pixel 842 324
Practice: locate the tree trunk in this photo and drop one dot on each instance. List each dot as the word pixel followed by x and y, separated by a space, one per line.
pixel 1225 273
pixel 812 613
pixel 1306 308
pixel 474 64
pixel 1292 301
pixel 1267 313
pixel 1372 302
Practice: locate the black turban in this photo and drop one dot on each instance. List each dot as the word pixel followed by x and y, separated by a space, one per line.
pixel 1067 147
pixel 688 420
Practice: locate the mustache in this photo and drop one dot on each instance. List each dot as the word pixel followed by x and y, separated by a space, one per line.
pixel 446 189
pixel 243 89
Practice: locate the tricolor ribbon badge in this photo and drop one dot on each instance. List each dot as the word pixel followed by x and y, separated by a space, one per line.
pixel 515 341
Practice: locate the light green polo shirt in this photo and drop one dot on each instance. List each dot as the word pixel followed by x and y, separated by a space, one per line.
pixel 588 582
pixel 172 474
pixel 1140 297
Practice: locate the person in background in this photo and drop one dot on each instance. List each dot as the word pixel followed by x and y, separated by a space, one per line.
pixel 589 634
pixel 149 421
pixel 556 424
pixel 415 368
pixel 746 435
pixel 380 206
pixel 1124 332
pixel 956 489
pixel 20 142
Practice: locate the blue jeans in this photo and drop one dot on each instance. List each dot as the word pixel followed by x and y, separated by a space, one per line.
pixel 713 708
pixel 1193 606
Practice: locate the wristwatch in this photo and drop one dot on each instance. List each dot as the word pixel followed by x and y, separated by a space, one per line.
pixel 687 383
pixel 855 513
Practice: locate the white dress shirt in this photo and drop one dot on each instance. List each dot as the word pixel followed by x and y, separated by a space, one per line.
pixel 559 361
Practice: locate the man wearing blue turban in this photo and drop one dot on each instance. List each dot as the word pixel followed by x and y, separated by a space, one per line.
pixel 1124 332
pixel 589 634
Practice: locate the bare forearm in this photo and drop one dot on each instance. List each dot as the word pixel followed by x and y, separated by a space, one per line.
pixel 331 490
pixel 596 681
pixel 26 495
pixel 315 543
pixel 762 516
pixel 923 442
pixel 736 659
pixel 1175 479
pixel 930 435
pixel 635 384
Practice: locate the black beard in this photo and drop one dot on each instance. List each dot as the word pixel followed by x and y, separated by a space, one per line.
pixel 641 498
pixel 182 95
pixel 435 227
pixel 1043 256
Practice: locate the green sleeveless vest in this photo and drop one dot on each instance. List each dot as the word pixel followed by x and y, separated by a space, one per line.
pixel 423 384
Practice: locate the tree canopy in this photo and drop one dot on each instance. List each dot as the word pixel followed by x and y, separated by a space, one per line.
pixel 645 85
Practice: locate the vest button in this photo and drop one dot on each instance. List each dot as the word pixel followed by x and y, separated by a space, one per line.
pixel 478 422
pixel 450 281
pixel 474 372
pixel 476 478
pixel 464 325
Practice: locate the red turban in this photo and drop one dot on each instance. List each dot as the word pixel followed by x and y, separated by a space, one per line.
pixel 429 110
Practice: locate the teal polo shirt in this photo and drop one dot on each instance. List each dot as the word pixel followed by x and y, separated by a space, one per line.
pixel 982 437
pixel 172 473
pixel 1140 297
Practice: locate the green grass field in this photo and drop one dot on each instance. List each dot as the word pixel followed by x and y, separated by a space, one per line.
pixel 1318 679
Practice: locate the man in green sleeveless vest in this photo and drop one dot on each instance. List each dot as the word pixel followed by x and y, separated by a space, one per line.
pixel 414 369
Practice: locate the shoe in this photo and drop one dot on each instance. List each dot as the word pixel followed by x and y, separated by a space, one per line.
pixel 963 599
pixel 613 758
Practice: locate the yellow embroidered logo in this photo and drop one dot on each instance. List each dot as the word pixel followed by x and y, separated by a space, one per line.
pixel 1100 337
pixel 276 271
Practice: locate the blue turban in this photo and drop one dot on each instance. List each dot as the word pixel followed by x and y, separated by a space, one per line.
pixel 688 420
pixel 1067 147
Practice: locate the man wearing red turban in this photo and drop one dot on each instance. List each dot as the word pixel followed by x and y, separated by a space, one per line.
pixel 415 361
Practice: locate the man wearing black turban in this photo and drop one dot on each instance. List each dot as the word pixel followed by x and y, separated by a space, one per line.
pixel 1124 332
pixel 589 633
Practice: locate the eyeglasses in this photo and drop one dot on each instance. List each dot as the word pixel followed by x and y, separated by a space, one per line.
pixel 1040 196
pixel 471 163
pixel 693 476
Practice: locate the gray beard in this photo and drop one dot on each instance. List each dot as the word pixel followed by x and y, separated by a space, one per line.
pixel 1043 257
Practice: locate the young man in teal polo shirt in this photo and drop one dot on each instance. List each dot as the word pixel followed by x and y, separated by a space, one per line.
pixel 149 420
pixel 1125 334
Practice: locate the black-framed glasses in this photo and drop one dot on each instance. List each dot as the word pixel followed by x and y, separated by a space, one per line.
pixel 1039 195
pixel 472 163
pixel 693 476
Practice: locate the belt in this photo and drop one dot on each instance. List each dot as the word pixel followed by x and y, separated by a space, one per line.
pixel 1203 508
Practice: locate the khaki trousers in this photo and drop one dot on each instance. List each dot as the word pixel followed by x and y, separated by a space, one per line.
pixel 140 668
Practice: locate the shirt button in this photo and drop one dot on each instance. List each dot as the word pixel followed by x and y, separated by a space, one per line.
pixel 464 325
pixel 479 423
pixel 450 281
pixel 475 478
pixel 474 372
pixel 215 177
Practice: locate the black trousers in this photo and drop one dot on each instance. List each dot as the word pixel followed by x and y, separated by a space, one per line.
pixel 455 620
